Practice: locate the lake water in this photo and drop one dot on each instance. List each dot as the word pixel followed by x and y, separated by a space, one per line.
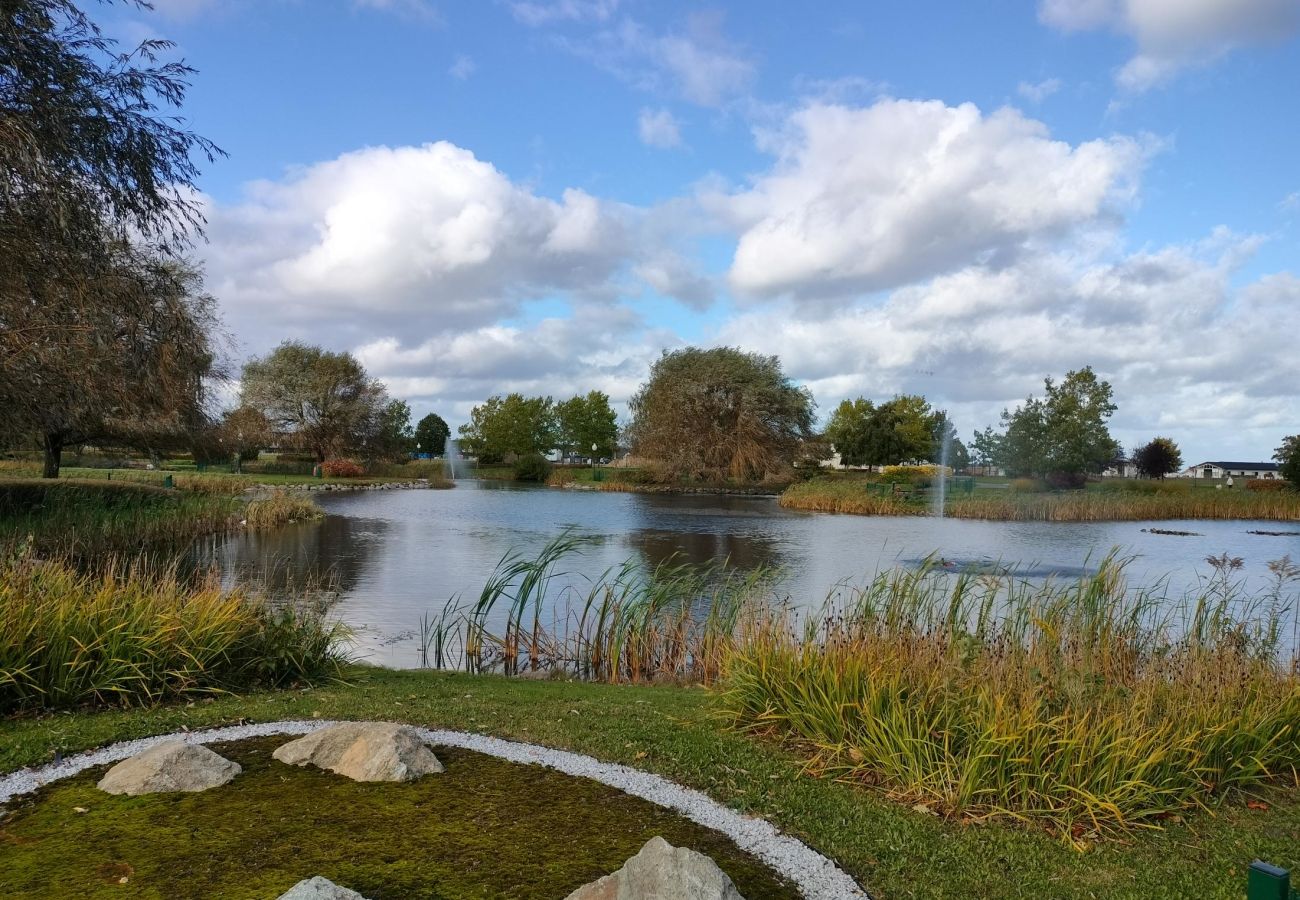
pixel 394 555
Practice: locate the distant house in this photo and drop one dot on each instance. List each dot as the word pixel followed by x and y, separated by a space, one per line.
pixel 1121 468
pixel 1221 469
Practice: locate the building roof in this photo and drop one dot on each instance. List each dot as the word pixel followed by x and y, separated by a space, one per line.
pixel 1247 466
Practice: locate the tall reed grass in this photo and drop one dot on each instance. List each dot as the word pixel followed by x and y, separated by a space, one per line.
pixel 1086 707
pixel 853 496
pixel 128 635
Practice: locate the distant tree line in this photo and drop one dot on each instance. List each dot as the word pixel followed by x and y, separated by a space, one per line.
pixel 515 426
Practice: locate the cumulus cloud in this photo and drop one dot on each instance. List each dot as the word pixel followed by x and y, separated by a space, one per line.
pixel 1174 34
pixel 659 128
pixel 462 68
pixel 1038 91
pixel 867 198
pixel 697 62
pixel 1186 351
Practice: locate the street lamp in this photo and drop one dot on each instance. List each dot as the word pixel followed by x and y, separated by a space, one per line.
pixel 593 454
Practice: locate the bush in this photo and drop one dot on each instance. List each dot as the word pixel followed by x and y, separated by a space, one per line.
pixel 1067 481
pixel 532 467
pixel 918 475
pixel 1267 485
pixel 1027 486
pixel 342 468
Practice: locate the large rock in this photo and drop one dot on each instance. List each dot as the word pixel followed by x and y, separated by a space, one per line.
pixel 169 766
pixel 319 888
pixel 364 751
pixel 662 872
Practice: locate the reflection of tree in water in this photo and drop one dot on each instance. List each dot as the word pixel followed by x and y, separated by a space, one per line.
pixel 745 552
pixel 335 553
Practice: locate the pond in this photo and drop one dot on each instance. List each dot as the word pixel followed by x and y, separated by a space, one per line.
pixel 393 555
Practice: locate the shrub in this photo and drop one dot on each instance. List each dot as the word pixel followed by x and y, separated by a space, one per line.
pixel 1067 481
pixel 561 477
pixel 918 475
pixel 342 468
pixel 1266 485
pixel 532 467
pixel 1027 486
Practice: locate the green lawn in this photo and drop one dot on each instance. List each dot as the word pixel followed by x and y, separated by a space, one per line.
pixel 676 732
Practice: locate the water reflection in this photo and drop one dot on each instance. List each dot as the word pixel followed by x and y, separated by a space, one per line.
pixel 394 555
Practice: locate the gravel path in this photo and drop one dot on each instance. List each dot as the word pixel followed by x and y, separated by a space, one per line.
pixel 817 877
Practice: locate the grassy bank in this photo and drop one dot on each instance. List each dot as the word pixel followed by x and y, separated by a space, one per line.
pixel 94 517
pixel 127 636
pixel 892 849
pixel 1098 505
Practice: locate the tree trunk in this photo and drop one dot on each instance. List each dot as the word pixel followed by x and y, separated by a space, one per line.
pixel 53 445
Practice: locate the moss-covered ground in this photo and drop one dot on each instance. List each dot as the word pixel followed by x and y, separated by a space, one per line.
pixel 485 828
pixel 893 850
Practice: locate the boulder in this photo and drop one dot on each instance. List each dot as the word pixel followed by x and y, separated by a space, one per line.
pixel 169 766
pixel 319 888
pixel 661 871
pixel 364 751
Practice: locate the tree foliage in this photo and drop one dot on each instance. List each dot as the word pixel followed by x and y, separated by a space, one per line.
pixel 720 413
pixel 393 438
pixel 510 427
pixel 1289 456
pixel 1158 457
pixel 124 354
pixel 1064 432
pixel 431 433
pixel 586 421
pixel 904 429
pixel 316 400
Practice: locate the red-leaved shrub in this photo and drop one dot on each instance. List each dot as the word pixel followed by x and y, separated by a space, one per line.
pixel 342 468
pixel 1267 484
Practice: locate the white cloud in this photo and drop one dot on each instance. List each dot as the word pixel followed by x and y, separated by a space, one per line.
pixel 1174 34
pixel 1186 351
pixel 698 63
pixel 413 9
pixel 1291 201
pixel 536 13
pixel 1037 92
pixel 862 199
pixel 462 68
pixel 659 128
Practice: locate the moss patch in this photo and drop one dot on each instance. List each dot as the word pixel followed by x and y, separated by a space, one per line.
pixel 487 828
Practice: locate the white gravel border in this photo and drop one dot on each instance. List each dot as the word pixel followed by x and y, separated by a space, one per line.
pixel 817 877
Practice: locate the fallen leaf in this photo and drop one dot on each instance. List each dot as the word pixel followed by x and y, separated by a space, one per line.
pixel 80 809
pixel 1256 804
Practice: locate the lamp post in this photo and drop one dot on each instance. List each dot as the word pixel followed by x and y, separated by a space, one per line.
pixel 593 455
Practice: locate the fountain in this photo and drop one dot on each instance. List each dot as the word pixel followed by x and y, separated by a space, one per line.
pixel 941 471
pixel 451 456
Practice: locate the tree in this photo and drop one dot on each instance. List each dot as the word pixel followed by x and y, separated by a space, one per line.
pixel 1065 432
pixel 720 413
pixel 131 362
pixel 393 437
pixel 1158 457
pixel 904 429
pixel 986 447
pixel 1289 457
pixel 431 433
pixel 584 422
pixel 948 449
pixel 97 189
pixel 510 427
pixel 317 400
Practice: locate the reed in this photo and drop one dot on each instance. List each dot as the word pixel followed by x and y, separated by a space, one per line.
pixel 130 635
pixel 1086 707
pixel 1106 504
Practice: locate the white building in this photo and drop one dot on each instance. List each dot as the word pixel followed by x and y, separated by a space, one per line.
pixel 1221 469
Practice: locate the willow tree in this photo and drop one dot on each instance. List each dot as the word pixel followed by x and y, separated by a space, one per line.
pixel 97 189
pixel 720 413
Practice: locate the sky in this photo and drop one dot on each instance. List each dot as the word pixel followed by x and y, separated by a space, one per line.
pixel 949 198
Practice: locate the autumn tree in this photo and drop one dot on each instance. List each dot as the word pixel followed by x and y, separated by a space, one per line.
pixel 1157 458
pixel 317 400
pixel 584 423
pixel 720 413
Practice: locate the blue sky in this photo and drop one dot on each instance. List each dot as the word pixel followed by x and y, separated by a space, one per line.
pixel 942 197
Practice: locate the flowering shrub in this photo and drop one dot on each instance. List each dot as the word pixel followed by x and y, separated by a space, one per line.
pixel 342 468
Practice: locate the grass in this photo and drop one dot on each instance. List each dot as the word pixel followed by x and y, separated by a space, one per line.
pixel 892 850
pixel 129 636
pixel 90 518
pixel 1087 708
pixel 852 495
pixel 212 481
pixel 472 832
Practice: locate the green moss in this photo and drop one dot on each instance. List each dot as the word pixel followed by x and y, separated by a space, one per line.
pixel 487 828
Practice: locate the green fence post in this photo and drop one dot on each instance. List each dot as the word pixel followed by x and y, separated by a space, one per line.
pixel 167 482
pixel 1267 882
